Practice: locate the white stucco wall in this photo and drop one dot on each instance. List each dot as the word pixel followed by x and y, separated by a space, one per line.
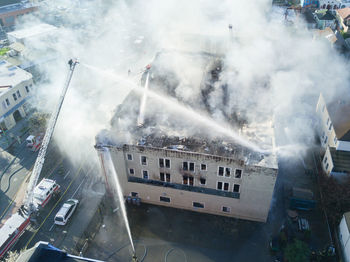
pixel 344 239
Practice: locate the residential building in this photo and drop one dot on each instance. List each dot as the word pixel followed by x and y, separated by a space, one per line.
pixel 326 34
pixel 309 19
pixel 344 236
pixel 14 9
pixel 43 251
pixel 334 133
pixel 37 32
pixel 325 18
pixel 310 3
pixel 343 16
pixel 330 4
pixel 15 88
pixel 158 163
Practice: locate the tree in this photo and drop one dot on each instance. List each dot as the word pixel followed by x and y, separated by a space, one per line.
pixel 298 251
pixel 38 121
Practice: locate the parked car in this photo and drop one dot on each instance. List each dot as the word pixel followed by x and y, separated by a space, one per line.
pixel 66 212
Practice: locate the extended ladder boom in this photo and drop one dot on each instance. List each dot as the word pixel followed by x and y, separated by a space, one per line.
pixel 48 134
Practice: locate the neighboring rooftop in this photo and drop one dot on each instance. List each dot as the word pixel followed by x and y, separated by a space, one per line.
pixel 11 76
pixel 339 113
pixel 43 251
pixel 8 6
pixel 344 12
pixel 325 15
pixel 341 160
pixel 36 31
pixel 170 130
pixel 327 33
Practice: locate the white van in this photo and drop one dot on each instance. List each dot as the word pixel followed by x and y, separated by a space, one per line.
pixel 66 212
pixel 44 191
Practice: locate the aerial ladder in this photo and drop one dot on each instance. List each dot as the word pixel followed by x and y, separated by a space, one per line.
pixel 14 227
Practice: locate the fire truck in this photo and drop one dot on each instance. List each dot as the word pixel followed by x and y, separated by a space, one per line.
pixel 34 142
pixel 36 195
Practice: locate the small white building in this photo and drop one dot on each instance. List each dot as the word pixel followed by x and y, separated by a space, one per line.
pixel 344 236
pixel 15 87
pixel 334 133
pixel 32 32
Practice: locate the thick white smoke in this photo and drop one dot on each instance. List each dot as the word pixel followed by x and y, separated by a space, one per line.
pixel 268 67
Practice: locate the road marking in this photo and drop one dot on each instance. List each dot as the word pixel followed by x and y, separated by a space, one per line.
pixel 37 230
pixel 53 170
pixel 78 187
pixel 65 176
pixel 52 226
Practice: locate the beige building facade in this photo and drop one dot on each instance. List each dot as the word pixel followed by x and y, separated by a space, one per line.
pixel 194 181
pixel 15 88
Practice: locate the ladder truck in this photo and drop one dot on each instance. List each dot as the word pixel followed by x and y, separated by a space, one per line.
pixel 15 226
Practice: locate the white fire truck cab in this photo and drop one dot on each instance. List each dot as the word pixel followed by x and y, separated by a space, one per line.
pixel 34 142
pixel 44 191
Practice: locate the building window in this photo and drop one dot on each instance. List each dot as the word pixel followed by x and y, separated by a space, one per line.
pixel 162 177
pixel 236 188
pixel 191 166
pixel 18 93
pixel 325 160
pixel 129 156
pixel 327 166
pixel 238 173
pixel 185 166
pixel 226 186
pixel 221 171
pixel 161 162
pixel 27 89
pixel 7 101
pixel 14 97
pixel 202 181
pixel 228 172
pixel 325 140
pixel 219 186
pixel 330 126
pixel 167 163
pixel 188 180
pixel 134 194
pixel 167 176
pixel 335 140
pixel 226 209
pixel 203 167
pixel 164 199
pixel 143 160
pixel 131 171
pixel 197 204
pixel 145 174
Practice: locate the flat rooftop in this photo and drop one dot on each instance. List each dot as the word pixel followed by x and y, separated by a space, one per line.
pixel 33 31
pixel 11 76
pixel 179 113
pixel 13 6
pixel 341 160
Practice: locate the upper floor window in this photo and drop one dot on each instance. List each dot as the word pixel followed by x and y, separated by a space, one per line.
pixel 164 162
pixel 18 93
pixel 325 160
pixel 164 177
pixel 27 89
pixel 161 162
pixel 167 163
pixel 335 140
pixel 238 173
pixel 188 180
pixel 129 156
pixel 143 160
pixel 191 166
pixel 330 126
pixel 202 181
pixel 7 101
pixel 221 171
pixel 145 174
pixel 228 172
pixel 14 96
pixel 187 166
pixel 236 188
pixel 203 167
pixel 131 171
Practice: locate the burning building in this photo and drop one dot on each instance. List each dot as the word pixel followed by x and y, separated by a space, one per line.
pixel 173 143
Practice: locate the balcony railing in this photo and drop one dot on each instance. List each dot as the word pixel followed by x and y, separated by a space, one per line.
pixel 203 190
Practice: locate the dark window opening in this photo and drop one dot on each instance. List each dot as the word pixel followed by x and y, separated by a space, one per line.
pixel 219 187
pixel 131 171
pixel 162 177
pixel 185 165
pixel 185 180
pixel 226 185
pixel 129 156
pixel 14 97
pixel 145 174
pixel 134 194
pixel 164 199
pixel 143 160
pixel 27 89
pixel 191 180
pixel 197 204
pixel 7 102
pixel 168 177
pixel 161 162
pixel 202 181
pixel 228 172
pixel 203 167
pixel 221 171
pixel 167 163
pixel 238 173
pixel 236 188
pixel 191 166
pixel 226 209
pixel 18 93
